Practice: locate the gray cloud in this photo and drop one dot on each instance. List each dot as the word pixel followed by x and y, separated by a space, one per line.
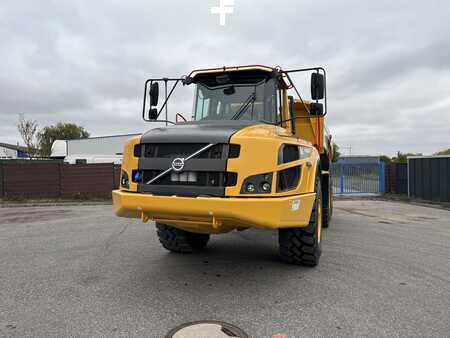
pixel 86 62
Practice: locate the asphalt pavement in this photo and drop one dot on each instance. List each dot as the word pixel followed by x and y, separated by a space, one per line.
pixel 81 271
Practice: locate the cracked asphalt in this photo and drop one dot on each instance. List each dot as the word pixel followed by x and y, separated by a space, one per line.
pixel 81 271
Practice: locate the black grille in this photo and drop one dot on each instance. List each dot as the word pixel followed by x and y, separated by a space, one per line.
pixel 288 178
pixel 173 150
pixel 206 171
pixel 234 151
pixel 203 178
pixel 288 153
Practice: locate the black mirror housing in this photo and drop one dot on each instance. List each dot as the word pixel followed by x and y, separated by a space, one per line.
pixel 316 109
pixel 153 114
pixel 154 94
pixel 229 90
pixel 317 86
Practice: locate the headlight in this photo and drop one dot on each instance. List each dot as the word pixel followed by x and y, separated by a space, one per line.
pixel 258 184
pixel 124 180
pixel 266 187
pixel 250 188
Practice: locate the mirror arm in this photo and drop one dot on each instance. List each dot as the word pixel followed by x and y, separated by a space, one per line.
pixel 167 104
pixel 181 116
pixel 145 98
pixel 167 96
pixel 298 94
pixel 286 72
pixel 295 118
pixel 146 87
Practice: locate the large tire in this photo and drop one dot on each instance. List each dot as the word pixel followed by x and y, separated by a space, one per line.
pixel 303 246
pixel 328 204
pixel 180 241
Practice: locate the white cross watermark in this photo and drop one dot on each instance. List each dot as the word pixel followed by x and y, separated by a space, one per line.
pixel 225 7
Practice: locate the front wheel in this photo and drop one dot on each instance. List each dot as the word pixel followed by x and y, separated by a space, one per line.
pixel 180 241
pixel 303 246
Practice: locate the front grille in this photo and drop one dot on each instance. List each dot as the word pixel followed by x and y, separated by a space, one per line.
pixel 289 178
pixel 202 178
pixel 204 174
pixel 173 150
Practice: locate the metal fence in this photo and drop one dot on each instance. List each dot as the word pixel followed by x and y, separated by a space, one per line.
pixel 429 178
pixel 401 178
pixel 396 178
pixel 358 177
pixel 30 179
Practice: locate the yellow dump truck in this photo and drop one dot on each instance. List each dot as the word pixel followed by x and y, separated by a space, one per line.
pixel 252 156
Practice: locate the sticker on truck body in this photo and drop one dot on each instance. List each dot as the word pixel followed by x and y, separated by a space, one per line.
pixel 295 205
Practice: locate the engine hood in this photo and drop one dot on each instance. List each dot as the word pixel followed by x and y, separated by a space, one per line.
pixel 197 132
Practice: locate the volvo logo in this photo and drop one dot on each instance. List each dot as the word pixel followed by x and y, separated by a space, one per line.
pixel 178 164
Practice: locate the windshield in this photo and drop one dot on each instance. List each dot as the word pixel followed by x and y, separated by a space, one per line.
pixel 242 101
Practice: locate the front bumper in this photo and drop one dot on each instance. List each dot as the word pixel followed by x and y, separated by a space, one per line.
pixel 216 214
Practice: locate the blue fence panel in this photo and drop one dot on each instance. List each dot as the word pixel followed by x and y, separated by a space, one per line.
pixel 358 177
pixel 381 174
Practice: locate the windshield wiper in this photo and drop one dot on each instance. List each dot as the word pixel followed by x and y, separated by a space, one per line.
pixel 244 106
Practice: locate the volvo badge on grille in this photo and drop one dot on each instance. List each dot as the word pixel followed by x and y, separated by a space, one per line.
pixel 178 164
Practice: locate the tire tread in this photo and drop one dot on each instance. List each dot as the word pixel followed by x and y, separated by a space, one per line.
pixel 180 241
pixel 300 245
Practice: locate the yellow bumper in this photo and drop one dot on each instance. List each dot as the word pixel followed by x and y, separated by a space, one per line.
pixel 215 214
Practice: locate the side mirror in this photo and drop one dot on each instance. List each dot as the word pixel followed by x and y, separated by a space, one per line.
pixel 153 114
pixel 154 94
pixel 316 109
pixel 317 86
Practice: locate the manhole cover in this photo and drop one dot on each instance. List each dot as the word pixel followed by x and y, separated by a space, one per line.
pixel 206 329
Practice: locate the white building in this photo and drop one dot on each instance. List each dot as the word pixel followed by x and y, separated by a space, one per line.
pixel 12 152
pixel 104 149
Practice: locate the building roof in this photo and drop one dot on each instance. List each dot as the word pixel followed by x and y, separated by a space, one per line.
pixel 13 147
pixel 100 137
pixel 428 156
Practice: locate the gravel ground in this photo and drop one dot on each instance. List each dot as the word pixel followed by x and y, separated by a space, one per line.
pixel 80 271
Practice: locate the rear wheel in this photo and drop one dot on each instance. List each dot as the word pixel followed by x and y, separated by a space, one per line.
pixel 180 241
pixel 303 245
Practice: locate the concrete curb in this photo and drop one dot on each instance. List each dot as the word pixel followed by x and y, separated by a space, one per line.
pixel 398 199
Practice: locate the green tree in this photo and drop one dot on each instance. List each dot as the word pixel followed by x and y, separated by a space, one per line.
pixel 336 153
pixel 403 157
pixel 385 159
pixel 444 152
pixel 62 131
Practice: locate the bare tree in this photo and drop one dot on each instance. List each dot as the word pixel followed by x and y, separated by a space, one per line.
pixel 28 132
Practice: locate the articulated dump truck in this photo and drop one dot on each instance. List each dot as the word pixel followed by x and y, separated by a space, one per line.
pixel 252 156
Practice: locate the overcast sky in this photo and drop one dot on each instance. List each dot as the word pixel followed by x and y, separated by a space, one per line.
pixel 85 62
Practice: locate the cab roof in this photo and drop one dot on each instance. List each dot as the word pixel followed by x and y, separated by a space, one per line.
pixel 225 69
pixel 210 75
